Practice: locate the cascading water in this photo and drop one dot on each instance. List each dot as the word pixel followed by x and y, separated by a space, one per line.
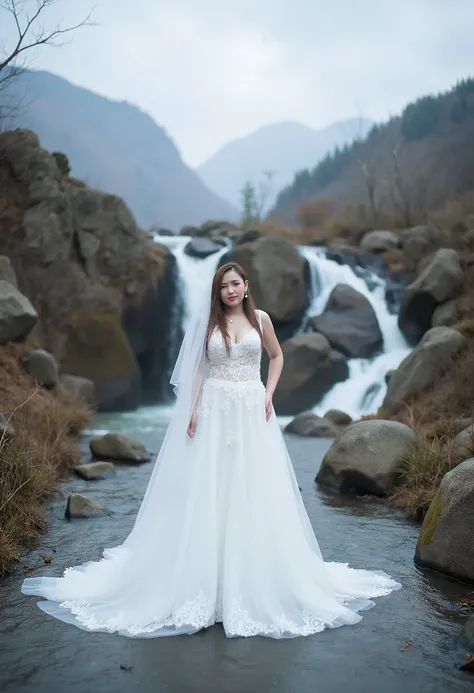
pixel 195 273
pixel 364 390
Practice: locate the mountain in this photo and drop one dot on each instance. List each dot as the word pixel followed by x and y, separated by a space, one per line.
pixel 116 147
pixel 418 161
pixel 282 148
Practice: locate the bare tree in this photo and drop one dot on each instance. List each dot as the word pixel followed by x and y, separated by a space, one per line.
pixel 370 183
pixel 30 32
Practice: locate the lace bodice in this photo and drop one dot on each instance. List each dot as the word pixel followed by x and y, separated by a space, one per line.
pixel 243 362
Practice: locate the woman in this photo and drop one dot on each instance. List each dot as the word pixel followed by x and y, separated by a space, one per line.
pixel 222 534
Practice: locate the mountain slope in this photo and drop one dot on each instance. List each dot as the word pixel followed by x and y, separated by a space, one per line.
pixel 416 162
pixel 116 147
pixel 284 148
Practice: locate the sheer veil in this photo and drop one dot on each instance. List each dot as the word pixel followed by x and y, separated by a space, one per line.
pixel 187 379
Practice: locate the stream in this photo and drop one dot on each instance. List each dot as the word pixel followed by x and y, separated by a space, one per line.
pixel 410 642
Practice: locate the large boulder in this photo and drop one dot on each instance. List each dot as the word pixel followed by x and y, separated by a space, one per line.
pixel 202 247
pixel 43 367
pixel 81 388
pixel 277 275
pixel 424 365
pixel 17 315
pixel 367 457
pixel 310 424
pixel 445 542
pixel 340 418
pixel 418 241
pixel 439 282
pixel 7 273
pixel 349 323
pixel 379 241
pixel 310 370
pixel 118 446
pixel 97 348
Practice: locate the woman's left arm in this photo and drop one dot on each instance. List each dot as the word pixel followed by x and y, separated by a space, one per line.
pixel 273 348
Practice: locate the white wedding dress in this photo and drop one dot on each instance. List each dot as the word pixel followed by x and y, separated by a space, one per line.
pixel 230 542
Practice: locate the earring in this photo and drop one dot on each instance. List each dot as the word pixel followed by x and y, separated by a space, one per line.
pixel 246 295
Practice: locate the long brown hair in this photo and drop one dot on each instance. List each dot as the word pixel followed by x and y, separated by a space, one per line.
pixel 217 316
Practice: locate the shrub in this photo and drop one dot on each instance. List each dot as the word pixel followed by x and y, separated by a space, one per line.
pixel 44 447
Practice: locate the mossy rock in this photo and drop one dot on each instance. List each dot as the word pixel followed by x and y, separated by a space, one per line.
pixel 97 348
pixel 445 541
pixel 431 521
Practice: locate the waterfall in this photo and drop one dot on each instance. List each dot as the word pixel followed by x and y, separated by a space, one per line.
pixel 195 274
pixel 364 390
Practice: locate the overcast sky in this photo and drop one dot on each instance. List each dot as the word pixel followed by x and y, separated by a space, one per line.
pixel 210 71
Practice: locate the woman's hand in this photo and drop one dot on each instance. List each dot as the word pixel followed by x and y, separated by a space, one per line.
pixel 192 425
pixel 268 405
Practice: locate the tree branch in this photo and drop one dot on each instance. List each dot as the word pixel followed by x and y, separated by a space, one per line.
pixel 25 27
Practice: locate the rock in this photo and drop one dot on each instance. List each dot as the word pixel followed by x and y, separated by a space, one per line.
pixel 468 632
pixel 153 326
pixel 97 348
pixel 201 247
pixel 165 232
pixel 419 241
pixel 395 261
pixel 6 429
pixel 445 542
pixel 438 282
pixel 81 388
pixel 275 263
pixel 445 315
pixel 424 365
pixel 388 375
pixel 62 163
pixel 310 370
pixel 379 241
pixel 106 234
pixel 215 228
pixel 189 231
pixel 117 446
pixel 17 315
pixel 94 470
pixel 7 273
pixel 249 236
pixel 349 323
pixel 42 366
pixel 309 424
pixel 340 418
pixel 354 257
pixel 464 442
pixel 47 224
pixel 367 457
pixel 79 505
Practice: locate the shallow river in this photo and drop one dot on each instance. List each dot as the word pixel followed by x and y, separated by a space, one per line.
pixel 409 643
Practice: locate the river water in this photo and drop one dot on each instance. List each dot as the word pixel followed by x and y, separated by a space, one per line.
pixel 409 643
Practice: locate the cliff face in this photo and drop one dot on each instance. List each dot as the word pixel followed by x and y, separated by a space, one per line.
pixel 99 285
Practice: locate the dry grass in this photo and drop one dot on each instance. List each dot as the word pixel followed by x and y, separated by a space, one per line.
pixel 426 464
pixel 45 445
